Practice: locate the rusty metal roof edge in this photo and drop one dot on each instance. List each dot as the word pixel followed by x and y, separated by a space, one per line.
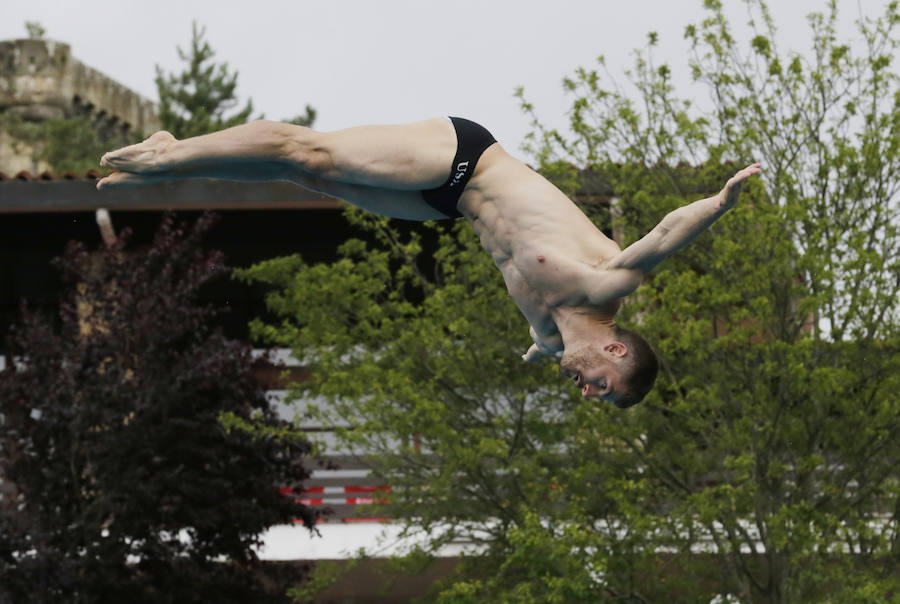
pixel 25 196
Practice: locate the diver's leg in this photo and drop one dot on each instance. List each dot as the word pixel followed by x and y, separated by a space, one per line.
pixel 415 156
pixel 395 203
pixel 409 157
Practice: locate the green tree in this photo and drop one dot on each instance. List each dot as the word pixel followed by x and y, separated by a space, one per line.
pixel 35 30
pixel 794 426
pixel 72 144
pixel 306 119
pixel 64 143
pixel 130 487
pixel 197 100
pixel 764 464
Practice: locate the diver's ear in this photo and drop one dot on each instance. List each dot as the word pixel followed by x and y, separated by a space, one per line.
pixel 617 349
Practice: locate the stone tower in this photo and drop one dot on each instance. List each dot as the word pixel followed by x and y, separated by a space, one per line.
pixel 40 79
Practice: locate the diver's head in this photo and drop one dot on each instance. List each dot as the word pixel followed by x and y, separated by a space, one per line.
pixel 620 369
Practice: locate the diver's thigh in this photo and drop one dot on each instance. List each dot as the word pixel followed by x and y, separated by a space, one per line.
pixel 411 157
pixel 396 203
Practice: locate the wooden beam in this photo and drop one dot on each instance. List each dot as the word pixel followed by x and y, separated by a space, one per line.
pixel 24 196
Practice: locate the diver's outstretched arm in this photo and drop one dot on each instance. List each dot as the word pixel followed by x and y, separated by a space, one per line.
pixel 681 226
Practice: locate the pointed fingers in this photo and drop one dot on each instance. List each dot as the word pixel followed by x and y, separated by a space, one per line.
pixel 119 179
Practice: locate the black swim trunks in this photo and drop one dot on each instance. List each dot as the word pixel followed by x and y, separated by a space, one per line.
pixel 471 141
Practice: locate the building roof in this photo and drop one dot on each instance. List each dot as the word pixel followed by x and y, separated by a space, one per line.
pixel 73 192
pixel 68 191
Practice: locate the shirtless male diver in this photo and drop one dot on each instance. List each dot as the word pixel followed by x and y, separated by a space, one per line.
pixel 566 276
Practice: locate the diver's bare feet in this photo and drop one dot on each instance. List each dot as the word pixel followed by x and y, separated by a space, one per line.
pixel 143 157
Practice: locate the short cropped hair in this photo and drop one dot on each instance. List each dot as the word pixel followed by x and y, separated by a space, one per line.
pixel 641 368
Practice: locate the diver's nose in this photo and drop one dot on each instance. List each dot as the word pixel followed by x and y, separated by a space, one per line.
pixel 585 390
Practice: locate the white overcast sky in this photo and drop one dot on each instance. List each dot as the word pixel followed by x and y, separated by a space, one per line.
pixel 392 61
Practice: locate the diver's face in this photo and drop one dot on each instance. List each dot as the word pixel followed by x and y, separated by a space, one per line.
pixel 597 372
pixel 601 382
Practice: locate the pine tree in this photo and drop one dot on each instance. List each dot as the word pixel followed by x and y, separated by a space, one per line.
pixel 198 100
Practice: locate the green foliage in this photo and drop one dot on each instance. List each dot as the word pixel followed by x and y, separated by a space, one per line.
pixel 35 30
pixel 764 464
pixel 71 144
pixel 325 574
pixel 774 424
pixel 477 445
pixel 128 488
pixel 197 100
pixel 64 143
pixel 544 566
pixel 306 119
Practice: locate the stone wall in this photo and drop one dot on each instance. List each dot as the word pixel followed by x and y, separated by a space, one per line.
pixel 19 156
pixel 40 79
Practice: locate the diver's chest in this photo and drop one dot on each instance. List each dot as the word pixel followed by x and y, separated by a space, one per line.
pixel 546 275
pixel 550 267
